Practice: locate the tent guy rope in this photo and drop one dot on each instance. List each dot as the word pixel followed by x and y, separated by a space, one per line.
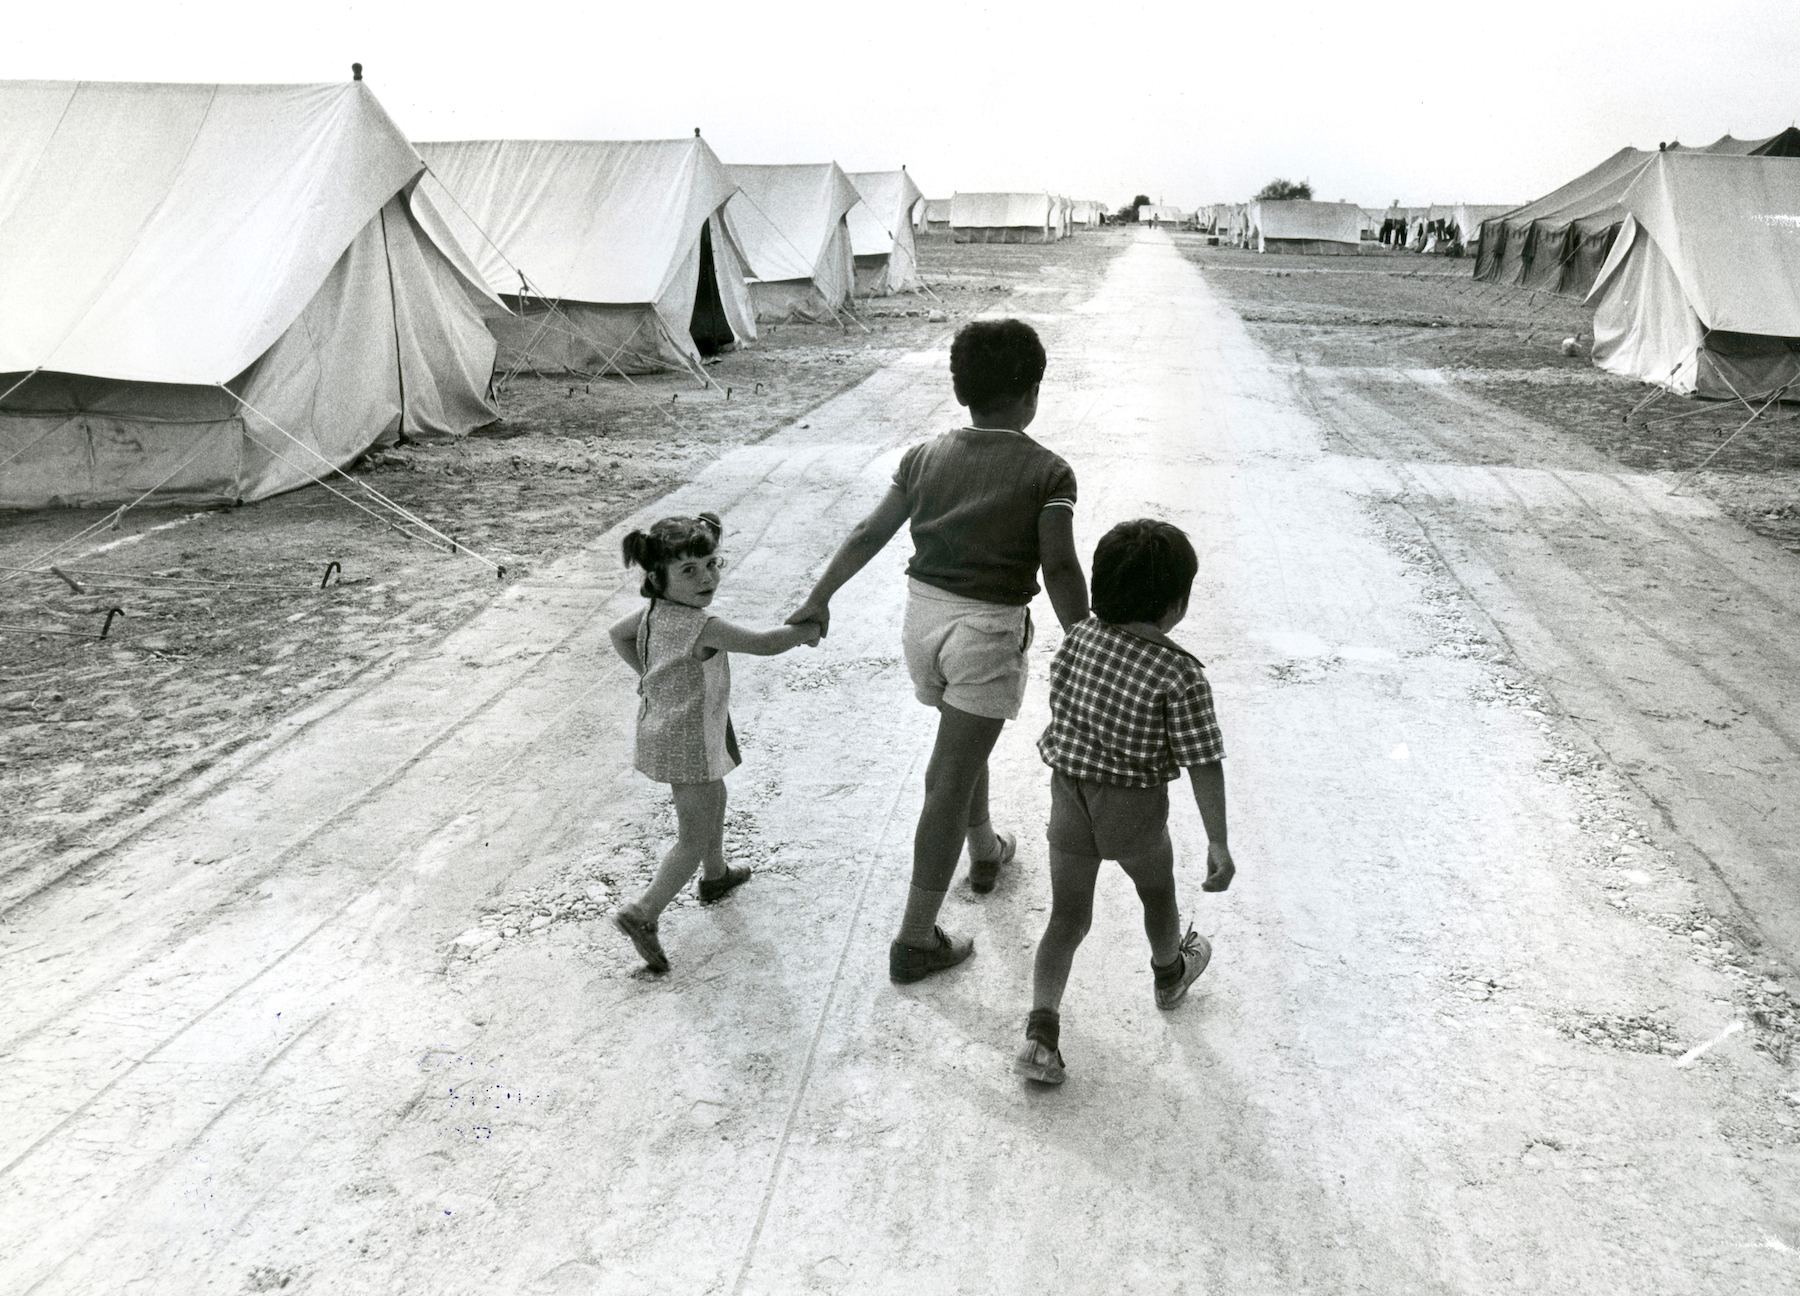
pixel 455 545
pixel 112 518
pixel 1720 448
pixel 555 309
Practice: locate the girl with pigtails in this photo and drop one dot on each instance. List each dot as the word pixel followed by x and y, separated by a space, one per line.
pixel 684 735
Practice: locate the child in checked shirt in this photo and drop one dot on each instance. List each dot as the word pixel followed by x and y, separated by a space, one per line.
pixel 1129 709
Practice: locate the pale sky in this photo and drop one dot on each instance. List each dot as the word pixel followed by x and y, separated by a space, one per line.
pixel 1187 102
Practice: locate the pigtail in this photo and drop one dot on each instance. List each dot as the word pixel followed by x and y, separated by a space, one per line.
pixel 638 550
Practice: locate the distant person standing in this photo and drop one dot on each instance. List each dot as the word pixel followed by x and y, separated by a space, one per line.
pixel 987 507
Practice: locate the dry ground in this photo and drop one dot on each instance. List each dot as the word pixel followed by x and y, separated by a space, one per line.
pixel 1481 1016
pixel 1502 998
pixel 226 629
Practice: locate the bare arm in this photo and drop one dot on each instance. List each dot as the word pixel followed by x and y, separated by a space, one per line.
pixel 1209 796
pixel 726 637
pixel 866 539
pixel 1063 580
pixel 624 640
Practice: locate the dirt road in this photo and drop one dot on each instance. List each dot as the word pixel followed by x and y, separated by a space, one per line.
pixel 1454 1038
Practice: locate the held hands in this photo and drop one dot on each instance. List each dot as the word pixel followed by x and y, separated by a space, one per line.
pixel 816 610
pixel 810 632
pixel 1219 868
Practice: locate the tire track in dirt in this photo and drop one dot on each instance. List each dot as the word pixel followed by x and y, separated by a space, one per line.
pixel 1728 672
pixel 1740 833
pixel 1673 612
pixel 1752 557
pixel 1478 583
pixel 1442 424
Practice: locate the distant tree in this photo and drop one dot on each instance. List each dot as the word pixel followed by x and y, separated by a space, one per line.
pixel 1128 213
pixel 1284 191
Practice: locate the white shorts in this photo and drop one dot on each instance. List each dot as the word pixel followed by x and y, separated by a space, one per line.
pixel 965 653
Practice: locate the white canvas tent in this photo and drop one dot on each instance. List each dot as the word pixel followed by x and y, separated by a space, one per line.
pixel 1159 214
pixel 796 239
pixel 1701 291
pixel 1431 229
pixel 1316 228
pixel 1087 213
pixel 937 215
pixel 630 264
pixel 1002 218
pixel 881 232
pixel 219 292
pixel 1469 218
pixel 1560 241
pixel 1231 223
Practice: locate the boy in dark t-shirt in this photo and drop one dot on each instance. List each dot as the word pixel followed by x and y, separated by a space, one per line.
pixel 988 507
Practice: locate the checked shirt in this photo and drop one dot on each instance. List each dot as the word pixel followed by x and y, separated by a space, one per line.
pixel 1126 711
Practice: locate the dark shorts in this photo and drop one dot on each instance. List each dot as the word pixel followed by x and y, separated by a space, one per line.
pixel 1088 818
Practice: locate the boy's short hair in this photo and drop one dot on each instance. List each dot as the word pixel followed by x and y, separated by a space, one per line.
pixel 667 541
pixel 993 361
pixel 1142 568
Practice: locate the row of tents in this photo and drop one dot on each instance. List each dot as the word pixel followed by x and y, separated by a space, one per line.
pixel 1342 229
pixel 223 292
pixel 639 255
pixel 1560 242
pixel 1028 217
pixel 1690 257
pixel 1432 228
pixel 226 291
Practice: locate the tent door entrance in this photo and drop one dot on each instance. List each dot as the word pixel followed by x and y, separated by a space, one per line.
pixel 709 327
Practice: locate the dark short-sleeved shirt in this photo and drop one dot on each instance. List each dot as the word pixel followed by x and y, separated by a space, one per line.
pixel 1126 711
pixel 973 497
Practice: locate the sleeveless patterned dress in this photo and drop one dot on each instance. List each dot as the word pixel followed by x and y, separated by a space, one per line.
pixel 684 732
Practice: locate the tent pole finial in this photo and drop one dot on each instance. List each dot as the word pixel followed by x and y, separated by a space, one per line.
pixel 356 71
pixel 696 132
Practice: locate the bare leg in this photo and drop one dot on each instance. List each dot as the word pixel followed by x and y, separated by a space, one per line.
pixel 1071 913
pixel 958 761
pixel 1153 873
pixel 700 838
